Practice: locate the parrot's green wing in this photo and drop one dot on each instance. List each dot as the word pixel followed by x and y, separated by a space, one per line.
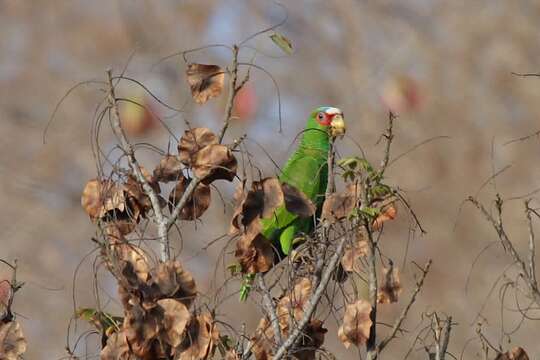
pixel 307 171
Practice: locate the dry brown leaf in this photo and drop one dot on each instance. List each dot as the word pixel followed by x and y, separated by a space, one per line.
pixel 197 203
pixel 356 324
pixel 263 341
pixel 141 327
pixel 201 339
pixel 311 340
pixel 117 348
pixel 516 353
pixel 261 201
pixel 291 306
pixel 100 196
pixel 232 355
pixel 5 296
pixel 135 191
pixel 12 341
pixel 297 202
pixel 168 169
pixel 193 141
pixel 390 287
pixel 254 253
pixel 174 282
pixel 339 205
pixel 176 316
pixel 134 264
pixel 205 81
pixel 272 195
pixel 389 212
pixel 352 258
pixel 215 162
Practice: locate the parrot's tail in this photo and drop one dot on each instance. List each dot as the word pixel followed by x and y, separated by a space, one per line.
pixel 247 284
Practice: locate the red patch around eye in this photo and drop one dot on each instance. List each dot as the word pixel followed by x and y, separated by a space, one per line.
pixel 326 119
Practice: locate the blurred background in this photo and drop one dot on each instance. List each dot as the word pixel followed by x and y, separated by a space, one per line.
pixel 445 67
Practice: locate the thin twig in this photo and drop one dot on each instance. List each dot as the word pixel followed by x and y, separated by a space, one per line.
pixel 404 313
pixel 313 301
pixel 532 246
pixel 270 309
pixel 233 90
pixel 161 222
pixel 389 136
pixel 507 244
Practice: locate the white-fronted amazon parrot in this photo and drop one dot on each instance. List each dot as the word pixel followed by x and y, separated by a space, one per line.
pixel 306 170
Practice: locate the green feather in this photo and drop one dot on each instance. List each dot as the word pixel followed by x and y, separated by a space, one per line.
pixel 307 170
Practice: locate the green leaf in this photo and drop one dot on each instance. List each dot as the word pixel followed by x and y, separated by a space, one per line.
pixel 380 190
pixel 234 268
pixel 371 212
pixel 101 320
pixel 282 42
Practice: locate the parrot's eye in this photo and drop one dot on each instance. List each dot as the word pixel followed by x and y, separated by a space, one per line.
pixel 322 118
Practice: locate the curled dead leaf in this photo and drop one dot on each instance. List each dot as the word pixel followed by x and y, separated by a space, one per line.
pixel 254 253
pixel 176 316
pixel 134 264
pixel 168 169
pixel 352 257
pixel 205 81
pixel 388 212
pixel 356 324
pixel 197 203
pixel 215 162
pixel 12 341
pixel 297 202
pixel 173 281
pixel 291 306
pixel 5 296
pixel 263 341
pixel 231 354
pixel 261 201
pixel 141 327
pixel 100 196
pixel 338 206
pixel 200 340
pixel 516 353
pixel 193 141
pixel 311 340
pixel 117 348
pixel 391 286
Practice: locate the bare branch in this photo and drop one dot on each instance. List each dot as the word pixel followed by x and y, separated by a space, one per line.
pixel 270 309
pixel 532 246
pixel 233 90
pixel 508 246
pixel 313 301
pixel 389 136
pixel 136 168
pixel 404 313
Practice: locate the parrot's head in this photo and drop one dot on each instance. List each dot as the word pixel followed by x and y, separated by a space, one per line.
pixel 329 119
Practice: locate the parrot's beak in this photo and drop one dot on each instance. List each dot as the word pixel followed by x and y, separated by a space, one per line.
pixel 337 126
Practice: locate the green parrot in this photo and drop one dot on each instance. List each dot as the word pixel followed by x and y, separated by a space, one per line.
pixel 307 170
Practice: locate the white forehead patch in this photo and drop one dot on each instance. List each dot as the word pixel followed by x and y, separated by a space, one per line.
pixel 332 111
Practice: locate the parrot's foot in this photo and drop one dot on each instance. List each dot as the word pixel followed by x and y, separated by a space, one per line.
pixel 247 284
